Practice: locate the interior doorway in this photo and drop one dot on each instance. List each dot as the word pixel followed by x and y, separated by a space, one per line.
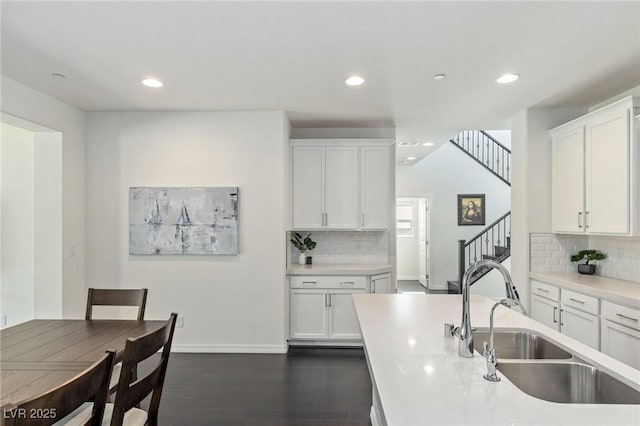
pixel 413 251
pixel 30 221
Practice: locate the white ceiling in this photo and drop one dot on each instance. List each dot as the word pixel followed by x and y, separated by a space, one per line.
pixel 294 56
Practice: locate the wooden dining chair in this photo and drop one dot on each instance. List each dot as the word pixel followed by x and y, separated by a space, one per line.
pixel 131 392
pixel 66 403
pixel 116 297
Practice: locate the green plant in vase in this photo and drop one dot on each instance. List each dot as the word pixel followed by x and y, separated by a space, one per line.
pixel 303 244
pixel 589 256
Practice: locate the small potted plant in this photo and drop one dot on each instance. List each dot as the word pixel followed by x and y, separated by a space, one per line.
pixel 303 244
pixel 588 255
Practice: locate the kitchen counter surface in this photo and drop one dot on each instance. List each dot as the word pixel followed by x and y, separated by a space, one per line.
pixel 419 379
pixel 624 292
pixel 340 269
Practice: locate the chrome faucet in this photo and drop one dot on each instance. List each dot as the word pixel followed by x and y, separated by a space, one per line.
pixel 465 346
pixel 489 349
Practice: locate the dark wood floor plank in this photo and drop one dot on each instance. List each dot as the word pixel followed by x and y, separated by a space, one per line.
pixel 307 387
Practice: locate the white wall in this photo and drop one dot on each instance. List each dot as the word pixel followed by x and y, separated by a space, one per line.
pixel 407 249
pixel 229 303
pixel 17 225
pixel 23 102
pixel 444 174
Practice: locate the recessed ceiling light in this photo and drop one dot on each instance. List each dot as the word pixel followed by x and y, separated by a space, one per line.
pixel 152 82
pixel 428 144
pixel 58 76
pixel 508 78
pixel 354 80
pixel 411 158
pixel 439 77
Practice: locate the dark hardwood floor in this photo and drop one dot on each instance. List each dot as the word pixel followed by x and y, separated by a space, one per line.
pixel 308 386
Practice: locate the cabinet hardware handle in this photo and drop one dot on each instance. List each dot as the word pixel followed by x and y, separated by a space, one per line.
pixel 309 283
pixel 326 300
pixel 347 283
pixel 543 290
pixel 586 220
pixel 627 318
pixel 329 294
pixel 577 301
pixel 561 323
pixel 555 309
pixel 363 219
pixel 579 219
pixel 326 219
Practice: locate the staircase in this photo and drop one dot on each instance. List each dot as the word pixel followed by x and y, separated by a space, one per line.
pixel 493 242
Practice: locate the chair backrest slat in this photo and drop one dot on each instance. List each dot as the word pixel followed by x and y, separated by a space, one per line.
pixel 116 297
pixel 130 392
pixel 59 402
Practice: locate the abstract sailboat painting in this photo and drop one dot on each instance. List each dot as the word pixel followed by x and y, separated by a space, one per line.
pixel 183 220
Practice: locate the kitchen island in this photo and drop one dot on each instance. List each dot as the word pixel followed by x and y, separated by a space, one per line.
pixel 419 379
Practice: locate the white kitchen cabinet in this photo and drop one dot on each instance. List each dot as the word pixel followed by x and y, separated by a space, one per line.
pixel 325 187
pixel 381 283
pixel 607 173
pixel 341 184
pixel 545 311
pixel 376 182
pixel 308 187
pixel 322 307
pixel 309 316
pixel 343 322
pixel 568 312
pixel 568 180
pixel 595 188
pixel 341 187
pixel 620 337
pixel 579 325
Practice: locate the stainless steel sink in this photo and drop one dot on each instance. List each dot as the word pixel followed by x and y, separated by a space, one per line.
pixel 568 382
pixel 519 345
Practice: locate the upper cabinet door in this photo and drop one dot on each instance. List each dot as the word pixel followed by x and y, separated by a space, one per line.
pixel 341 191
pixel 607 173
pixel 568 180
pixel 308 187
pixel 376 179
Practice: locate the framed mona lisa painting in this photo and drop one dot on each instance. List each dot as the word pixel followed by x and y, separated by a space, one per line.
pixel 470 209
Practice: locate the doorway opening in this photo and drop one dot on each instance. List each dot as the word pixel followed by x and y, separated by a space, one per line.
pixel 412 245
pixel 30 221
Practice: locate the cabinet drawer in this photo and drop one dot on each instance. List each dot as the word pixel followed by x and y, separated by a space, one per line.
pixel 545 290
pixel 621 314
pixel 580 301
pixel 344 282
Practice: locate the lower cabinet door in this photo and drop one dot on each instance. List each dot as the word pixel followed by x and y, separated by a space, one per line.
pixel 545 311
pixel 381 283
pixel 581 326
pixel 621 343
pixel 309 318
pixel 343 322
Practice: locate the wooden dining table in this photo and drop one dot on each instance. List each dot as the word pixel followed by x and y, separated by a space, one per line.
pixel 40 354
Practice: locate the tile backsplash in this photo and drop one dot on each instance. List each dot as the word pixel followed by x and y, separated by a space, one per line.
pixel 346 247
pixel 552 252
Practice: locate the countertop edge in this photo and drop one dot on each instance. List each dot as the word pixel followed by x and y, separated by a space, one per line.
pixel 338 269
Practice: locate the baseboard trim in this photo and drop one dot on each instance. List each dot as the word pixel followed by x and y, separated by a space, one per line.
pixel 230 349
pixel 416 278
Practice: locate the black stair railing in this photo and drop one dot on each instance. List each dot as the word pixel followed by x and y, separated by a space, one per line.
pixel 487 151
pixel 494 242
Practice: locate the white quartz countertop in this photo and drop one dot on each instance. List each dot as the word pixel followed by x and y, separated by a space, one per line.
pixel 421 380
pixel 340 269
pixel 625 292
